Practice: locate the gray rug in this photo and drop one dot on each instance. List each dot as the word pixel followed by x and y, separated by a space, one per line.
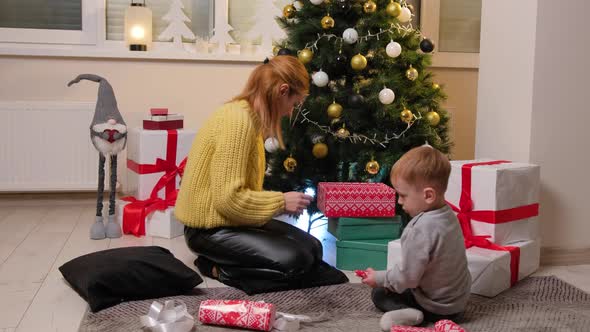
pixel 534 304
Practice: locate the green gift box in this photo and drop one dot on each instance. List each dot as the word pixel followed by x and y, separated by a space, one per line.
pixel 365 228
pixel 360 254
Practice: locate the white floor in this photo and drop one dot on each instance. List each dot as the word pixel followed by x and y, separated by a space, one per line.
pixel 39 235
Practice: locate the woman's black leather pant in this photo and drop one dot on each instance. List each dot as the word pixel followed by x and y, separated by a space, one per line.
pixel 275 251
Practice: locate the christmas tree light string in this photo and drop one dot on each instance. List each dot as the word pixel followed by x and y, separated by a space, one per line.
pixel 355 138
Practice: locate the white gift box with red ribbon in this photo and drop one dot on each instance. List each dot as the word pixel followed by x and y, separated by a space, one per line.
pixel 144 148
pixel 492 270
pixel 156 160
pixel 500 198
pixel 159 223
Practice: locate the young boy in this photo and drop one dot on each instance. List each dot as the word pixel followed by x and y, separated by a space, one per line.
pixel 432 281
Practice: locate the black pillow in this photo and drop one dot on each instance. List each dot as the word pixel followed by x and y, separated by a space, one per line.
pixel 109 277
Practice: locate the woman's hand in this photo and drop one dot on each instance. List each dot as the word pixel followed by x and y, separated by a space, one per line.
pixel 369 279
pixel 296 202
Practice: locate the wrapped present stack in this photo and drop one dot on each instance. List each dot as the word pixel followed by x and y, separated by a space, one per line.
pixel 496 202
pixel 155 163
pixel 161 119
pixel 362 218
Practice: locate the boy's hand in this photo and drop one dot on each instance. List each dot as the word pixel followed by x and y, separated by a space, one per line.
pixel 369 278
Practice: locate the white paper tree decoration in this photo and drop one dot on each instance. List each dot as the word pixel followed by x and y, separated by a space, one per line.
pixel 221 30
pixel 265 25
pixel 177 29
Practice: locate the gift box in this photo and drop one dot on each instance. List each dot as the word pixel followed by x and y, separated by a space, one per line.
pixel 492 271
pixel 360 254
pixel 347 228
pixel 238 313
pixel 150 124
pixel 353 199
pixel 499 198
pixel 159 223
pixel 153 154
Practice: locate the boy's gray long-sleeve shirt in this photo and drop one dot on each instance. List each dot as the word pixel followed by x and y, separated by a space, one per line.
pixel 433 263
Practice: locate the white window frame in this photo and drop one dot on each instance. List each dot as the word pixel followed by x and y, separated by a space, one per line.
pixel 86 36
pixel 91 41
pixel 429 26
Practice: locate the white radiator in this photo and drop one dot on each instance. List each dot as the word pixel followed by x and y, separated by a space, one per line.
pixel 45 146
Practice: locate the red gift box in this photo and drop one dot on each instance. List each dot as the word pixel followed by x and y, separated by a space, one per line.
pixel 163 125
pixel 159 111
pixel 238 313
pixel 400 328
pixel 356 199
pixel 446 325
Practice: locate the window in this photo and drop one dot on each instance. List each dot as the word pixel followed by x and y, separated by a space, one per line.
pixel 58 22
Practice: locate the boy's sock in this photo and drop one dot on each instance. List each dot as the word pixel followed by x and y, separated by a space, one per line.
pixel 408 317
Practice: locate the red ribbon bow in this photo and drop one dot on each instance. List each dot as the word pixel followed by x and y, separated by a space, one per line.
pixel 136 211
pixel 466 214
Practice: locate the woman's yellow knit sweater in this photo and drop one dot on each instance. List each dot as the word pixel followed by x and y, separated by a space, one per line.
pixel 222 181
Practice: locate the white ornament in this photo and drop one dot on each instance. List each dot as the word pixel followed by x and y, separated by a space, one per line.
pixel 350 36
pixel 271 144
pixel 393 49
pixel 177 29
pixel 298 5
pixel 386 96
pixel 320 78
pixel 405 15
pixel 316 2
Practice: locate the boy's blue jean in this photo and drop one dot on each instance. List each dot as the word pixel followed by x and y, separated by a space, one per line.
pixel 385 301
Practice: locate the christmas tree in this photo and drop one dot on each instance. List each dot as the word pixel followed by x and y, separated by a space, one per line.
pixel 371 97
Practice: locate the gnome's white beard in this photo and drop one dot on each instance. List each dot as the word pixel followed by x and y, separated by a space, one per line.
pixel 104 146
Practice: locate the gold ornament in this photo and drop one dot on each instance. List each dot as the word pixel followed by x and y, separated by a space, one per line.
pixel 435 86
pixel 305 56
pixel 334 110
pixel 370 7
pixel 275 50
pixel 412 73
pixel 372 167
pixel 433 118
pixel 327 22
pixel 393 9
pixel 290 163
pixel 289 11
pixel 407 116
pixel 358 62
pixel 342 133
pixel 320 150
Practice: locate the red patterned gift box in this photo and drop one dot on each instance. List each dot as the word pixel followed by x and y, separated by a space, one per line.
pixel 446 325
pixel 401 328
pixel 238 313
pixel 356 199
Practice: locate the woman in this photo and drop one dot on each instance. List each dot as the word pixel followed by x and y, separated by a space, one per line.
pixel 227 214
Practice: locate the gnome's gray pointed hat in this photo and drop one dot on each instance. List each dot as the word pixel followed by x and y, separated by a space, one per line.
pixel 106 103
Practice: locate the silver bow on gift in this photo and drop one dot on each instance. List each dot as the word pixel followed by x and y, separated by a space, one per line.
pixel 168 317
pixel 285 322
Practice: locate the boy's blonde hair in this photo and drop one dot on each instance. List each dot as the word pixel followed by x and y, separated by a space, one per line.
pixel 262 90
pixel 422 167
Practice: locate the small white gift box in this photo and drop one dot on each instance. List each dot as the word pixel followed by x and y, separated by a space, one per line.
pixel 504 198
pixel 158 223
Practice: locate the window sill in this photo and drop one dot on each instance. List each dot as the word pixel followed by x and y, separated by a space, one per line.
pixel 118 50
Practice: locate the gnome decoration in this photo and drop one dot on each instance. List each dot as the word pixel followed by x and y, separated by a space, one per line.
pixel 108 133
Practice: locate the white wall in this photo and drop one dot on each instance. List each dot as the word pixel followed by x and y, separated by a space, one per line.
pixel 532 105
